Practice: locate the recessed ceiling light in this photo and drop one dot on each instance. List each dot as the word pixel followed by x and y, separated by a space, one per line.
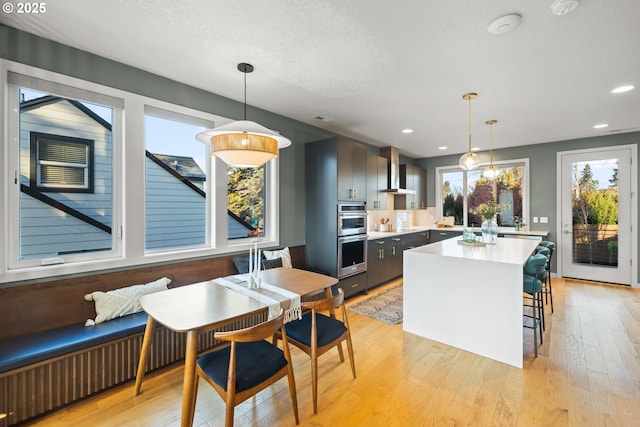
pixel 407 130
pixel 622 89
pixel 475 149
pixel 442 147
pixel 600 126
pixel 504 24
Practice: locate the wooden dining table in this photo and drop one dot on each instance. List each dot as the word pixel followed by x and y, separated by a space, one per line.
pixel 205 306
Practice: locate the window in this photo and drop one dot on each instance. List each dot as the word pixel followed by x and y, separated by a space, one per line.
pixel 61 163
pixel 246 202
pixel 65 180
pixel 460 192
pixel 78 199
pixel 175 181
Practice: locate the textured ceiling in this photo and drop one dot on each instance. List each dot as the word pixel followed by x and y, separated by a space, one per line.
pixel 376 67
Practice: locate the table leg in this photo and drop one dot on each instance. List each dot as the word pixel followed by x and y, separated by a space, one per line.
pixel 188 392
pixel 144 352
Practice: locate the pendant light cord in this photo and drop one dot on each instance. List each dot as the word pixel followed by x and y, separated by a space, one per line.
pixel 491 145
pixel 245 95
pixel 469 103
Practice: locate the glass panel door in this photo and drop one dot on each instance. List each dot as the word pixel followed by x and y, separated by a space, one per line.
pixel 596 207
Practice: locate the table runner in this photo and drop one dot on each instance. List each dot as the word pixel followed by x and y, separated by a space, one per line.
pixel 273 297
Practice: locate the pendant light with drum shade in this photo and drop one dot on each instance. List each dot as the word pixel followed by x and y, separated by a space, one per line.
pixel 243 143
pixel 490 172
pixel 469 160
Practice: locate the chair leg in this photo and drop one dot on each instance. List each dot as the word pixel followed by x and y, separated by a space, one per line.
pixel 314 380
pixel 292 392
pixel 350 350
pixel 229 413
pixel 535 313
pixel 541 316
pixel 550 291
pixel 340 351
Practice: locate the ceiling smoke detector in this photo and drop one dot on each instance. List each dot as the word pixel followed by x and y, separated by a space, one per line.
pixel 504 24
pixel 563 7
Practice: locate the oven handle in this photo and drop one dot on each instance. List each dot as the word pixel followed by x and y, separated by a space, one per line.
pixel 355 238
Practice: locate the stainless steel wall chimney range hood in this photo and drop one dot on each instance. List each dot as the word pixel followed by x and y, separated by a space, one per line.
pixel 392 154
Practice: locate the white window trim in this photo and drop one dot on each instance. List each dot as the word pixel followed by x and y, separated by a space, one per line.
pixel 128 168
pixel 502 163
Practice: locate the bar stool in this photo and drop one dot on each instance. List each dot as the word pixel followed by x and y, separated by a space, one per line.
pixel 546 287
pixel 542 250
pixel 534 272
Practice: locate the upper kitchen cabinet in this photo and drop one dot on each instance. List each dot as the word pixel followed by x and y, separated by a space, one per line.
pixel 337 169
pixel 352 171
pixel 376 182
pixel 412 178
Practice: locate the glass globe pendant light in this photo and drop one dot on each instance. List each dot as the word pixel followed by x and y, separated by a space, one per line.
pixel 490 172
pixel 469 160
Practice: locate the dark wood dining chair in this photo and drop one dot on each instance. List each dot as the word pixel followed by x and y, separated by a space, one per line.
pixel 317 333
pixel 248 365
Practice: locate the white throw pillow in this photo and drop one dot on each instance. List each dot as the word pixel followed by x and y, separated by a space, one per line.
pixel 123 301
pixel 282 253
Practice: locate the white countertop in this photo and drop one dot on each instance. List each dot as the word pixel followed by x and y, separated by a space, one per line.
pixel 508 251
pixel 504 230
pixel 384 234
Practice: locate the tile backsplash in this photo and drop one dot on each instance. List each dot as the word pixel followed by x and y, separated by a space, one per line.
pixel 401 219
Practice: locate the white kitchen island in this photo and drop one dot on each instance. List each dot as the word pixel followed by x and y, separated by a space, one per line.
pixel 468 297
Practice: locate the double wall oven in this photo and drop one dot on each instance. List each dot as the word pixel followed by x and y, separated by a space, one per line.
pixel 352 239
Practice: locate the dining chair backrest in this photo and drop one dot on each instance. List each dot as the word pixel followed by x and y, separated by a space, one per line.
pixel 248 365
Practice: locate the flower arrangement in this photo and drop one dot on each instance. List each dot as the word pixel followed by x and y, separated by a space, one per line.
pixel 489 210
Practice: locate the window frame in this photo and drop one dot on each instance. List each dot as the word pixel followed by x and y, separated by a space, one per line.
pixel 36 163
pixel 524 162
pixel 128 249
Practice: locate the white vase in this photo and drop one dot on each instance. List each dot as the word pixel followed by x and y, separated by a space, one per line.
pixel 490 231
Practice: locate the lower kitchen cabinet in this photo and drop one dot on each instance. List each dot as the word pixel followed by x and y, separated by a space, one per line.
pixel 384 259
pixel 414 240
pixel 352 285
pixel 438 235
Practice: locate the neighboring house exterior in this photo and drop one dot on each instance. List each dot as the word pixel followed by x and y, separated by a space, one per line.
pixel 66 197
pixel 66 201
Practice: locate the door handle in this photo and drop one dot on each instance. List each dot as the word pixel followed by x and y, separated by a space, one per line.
pixel 567 232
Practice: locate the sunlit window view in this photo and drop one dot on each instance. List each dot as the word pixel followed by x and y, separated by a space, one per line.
pixel 595 212
pixel 506 187
pixel 246 202
pixel 66 176
pixel 175 177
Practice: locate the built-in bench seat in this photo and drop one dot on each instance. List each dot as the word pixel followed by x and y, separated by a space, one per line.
pixel 49 358
pixel 37 347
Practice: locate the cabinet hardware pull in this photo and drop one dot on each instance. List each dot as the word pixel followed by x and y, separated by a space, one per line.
pixel 355 285
pixel 393 250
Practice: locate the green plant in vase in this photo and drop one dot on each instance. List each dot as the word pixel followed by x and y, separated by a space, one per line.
pixel 488 211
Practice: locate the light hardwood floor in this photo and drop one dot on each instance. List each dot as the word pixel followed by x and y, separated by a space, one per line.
pixel 587 374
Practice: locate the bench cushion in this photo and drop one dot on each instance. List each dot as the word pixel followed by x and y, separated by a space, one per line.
pixel 33 348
